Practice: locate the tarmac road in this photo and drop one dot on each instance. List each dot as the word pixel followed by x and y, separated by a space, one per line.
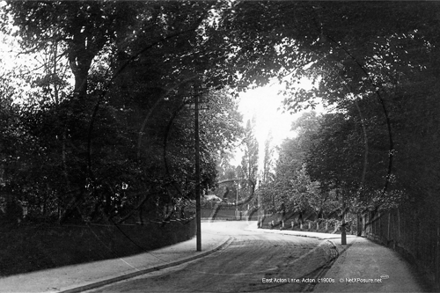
pixel 254 262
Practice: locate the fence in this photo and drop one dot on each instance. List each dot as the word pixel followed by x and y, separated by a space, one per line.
pixel 414 231
pixel 292 222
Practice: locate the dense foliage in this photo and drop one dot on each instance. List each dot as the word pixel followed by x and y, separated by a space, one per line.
pixel 375 66
pixel 138 65
pixel 121 143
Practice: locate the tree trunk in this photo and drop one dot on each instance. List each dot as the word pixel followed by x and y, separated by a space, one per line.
pixel 80 59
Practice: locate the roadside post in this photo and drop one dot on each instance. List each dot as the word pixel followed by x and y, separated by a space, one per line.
pixel 197 171
pixel 236 202
pixel 343 224
pixel 343 232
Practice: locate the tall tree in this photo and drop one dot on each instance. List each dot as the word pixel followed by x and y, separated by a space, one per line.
pixel 292 185
pixel 267 172
pixel 249 161
pixel 84 28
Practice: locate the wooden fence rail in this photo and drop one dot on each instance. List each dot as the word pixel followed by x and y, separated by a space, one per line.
pixel 411 232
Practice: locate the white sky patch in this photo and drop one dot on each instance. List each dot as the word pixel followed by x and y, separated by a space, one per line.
pixel 265 103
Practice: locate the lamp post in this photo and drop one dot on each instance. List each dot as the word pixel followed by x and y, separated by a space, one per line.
pixel 197 171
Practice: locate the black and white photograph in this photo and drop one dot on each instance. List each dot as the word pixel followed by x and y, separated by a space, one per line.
pixel 219 146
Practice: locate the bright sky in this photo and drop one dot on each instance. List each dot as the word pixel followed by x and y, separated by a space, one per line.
pixel 266 105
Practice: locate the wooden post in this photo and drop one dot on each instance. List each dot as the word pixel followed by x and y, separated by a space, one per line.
pixel 398 224
pixel 389 226
pixel 343 231
pixel 236 203
pixel 197 167
pixel 379 229
pixel 359 224
pixel 437 258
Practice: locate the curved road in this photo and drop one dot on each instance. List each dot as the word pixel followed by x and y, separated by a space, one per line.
pixel 255 261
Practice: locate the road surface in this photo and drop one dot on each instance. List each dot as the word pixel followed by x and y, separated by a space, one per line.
pixel 255 261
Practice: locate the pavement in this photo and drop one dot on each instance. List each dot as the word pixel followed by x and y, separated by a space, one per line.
pixel 361 266
pixel 87 276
